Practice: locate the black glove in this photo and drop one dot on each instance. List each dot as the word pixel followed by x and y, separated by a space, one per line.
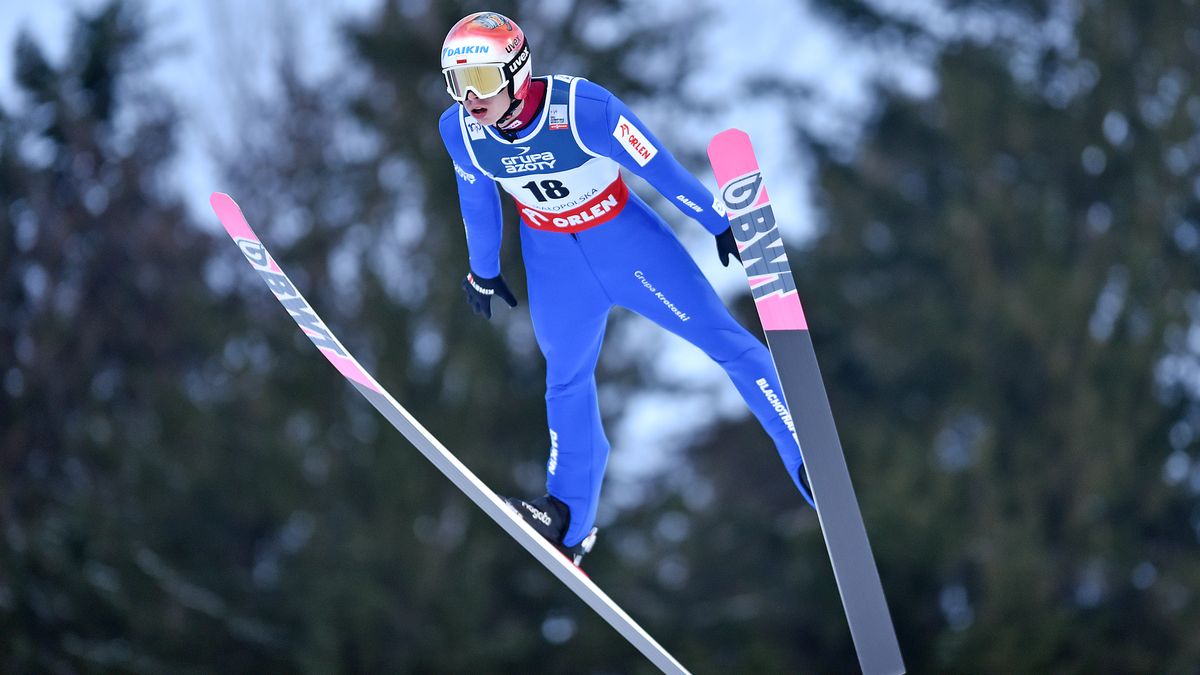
pixel 480 292
pixel 727 246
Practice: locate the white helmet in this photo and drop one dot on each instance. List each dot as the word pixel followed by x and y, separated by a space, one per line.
pixel 484 53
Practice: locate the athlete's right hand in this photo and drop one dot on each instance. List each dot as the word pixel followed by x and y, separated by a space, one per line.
pixel 480 292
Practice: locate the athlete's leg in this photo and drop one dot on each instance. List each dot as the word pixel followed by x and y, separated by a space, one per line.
pixel 659 280
pixel 569 310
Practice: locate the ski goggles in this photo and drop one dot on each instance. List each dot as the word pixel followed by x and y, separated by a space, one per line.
pixel 486 80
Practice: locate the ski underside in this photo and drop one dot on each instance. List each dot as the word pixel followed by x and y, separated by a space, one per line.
pixel 741 189
pixel 235 224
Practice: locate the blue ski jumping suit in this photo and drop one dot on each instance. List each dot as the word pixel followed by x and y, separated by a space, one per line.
pixel 588 244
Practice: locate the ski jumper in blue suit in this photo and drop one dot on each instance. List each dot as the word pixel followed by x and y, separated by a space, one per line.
pixel 589 244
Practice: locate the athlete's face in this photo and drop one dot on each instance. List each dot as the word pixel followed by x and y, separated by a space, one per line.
pixel 487 111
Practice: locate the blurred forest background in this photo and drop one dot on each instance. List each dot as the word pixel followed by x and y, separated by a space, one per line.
pixel 1003 287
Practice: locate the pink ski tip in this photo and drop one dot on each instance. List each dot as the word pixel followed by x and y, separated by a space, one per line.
pixel 231 216
pixel 219 199
pixel 731 155
pixel 733 135
pixel 730 141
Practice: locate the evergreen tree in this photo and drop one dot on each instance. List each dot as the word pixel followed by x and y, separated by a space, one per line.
pixel 122 534
pixel 999 299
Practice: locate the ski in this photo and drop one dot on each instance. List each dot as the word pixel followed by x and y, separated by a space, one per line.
pixel 748 208
pixel 328 344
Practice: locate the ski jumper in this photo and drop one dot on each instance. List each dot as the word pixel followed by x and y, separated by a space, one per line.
pixel 588 244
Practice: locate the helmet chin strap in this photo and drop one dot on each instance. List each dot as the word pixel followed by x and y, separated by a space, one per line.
pixel 512 105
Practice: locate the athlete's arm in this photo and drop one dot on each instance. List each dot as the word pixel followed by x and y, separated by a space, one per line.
pixel 608 127
pixel 478 198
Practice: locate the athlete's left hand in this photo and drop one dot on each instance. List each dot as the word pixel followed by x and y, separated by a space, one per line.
pixel 727 246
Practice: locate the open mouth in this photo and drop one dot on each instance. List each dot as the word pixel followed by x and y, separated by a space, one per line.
pixel 479 112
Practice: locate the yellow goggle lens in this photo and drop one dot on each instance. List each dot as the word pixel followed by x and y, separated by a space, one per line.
pixel 484 80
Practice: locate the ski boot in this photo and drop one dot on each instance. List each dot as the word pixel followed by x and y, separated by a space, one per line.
pixel 805 488
pixel 550 518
